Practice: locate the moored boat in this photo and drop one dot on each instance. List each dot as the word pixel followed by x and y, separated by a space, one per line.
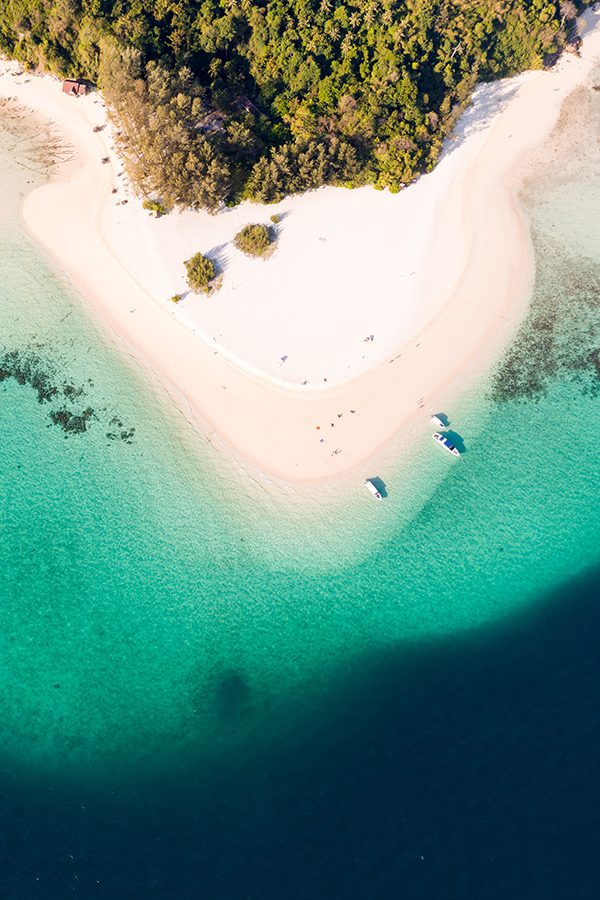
pixel 439 421
pixel 445 443
pixel 372 488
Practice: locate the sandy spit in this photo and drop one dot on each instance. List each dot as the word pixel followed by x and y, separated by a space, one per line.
pixel 280 363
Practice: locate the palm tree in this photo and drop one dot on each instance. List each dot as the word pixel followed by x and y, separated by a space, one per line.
pixel 370 13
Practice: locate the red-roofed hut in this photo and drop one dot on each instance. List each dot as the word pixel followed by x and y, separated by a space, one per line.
pixel 74 88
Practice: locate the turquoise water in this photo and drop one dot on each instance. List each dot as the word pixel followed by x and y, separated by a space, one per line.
pixel 159 606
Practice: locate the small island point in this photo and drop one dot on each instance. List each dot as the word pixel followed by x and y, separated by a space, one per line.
pixel 372 308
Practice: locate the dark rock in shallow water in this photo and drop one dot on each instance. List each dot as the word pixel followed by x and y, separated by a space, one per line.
pixel 69 390
pixel 72 422
pixel 119 432
pixel 554 340
pixel 45 391
pixel 28 367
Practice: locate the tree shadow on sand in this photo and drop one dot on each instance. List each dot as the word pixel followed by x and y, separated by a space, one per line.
pixel 220 257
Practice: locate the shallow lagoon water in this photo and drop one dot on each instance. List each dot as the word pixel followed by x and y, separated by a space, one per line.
pixel 240 679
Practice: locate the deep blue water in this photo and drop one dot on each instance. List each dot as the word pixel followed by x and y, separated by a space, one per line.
pixel 467 768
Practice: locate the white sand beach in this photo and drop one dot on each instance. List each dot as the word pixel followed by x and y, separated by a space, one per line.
pixel 373 308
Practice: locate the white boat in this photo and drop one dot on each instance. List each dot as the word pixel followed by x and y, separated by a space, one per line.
pixel 437 420
pixel 445 443
pixel 372 489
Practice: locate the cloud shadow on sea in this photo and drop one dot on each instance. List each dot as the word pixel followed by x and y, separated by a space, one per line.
pixel 447 768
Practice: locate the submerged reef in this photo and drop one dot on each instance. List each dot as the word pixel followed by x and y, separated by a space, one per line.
pixel 33 368
pixel 119 431
pixel 26 369
pixel 72 422
pixel 559 337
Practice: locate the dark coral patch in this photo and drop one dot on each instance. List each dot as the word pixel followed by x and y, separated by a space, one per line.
pixel 72 423
pixel 27 369
pixel 559 336
pixel 30 368
pixel 119 431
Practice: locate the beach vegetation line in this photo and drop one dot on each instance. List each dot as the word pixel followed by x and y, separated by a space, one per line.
pixel 216 102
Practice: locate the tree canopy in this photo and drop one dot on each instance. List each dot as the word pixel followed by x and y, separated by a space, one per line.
pixel 255 240
pixel 220 100
pixel 201 273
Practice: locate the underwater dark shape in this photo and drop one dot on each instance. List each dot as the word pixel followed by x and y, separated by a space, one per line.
pixel 555 340
pixel 72 422
pixel 29 367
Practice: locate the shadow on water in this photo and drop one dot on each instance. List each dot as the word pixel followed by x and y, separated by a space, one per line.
pixel 463 769
pixel 443 418
pixel 455 438
pixel 379 484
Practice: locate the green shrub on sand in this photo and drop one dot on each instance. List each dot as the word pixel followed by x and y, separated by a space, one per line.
pixel 201 273
pixel 154 207
pixel 255 240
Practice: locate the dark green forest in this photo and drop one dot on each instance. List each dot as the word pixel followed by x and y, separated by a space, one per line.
pixel 221 100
